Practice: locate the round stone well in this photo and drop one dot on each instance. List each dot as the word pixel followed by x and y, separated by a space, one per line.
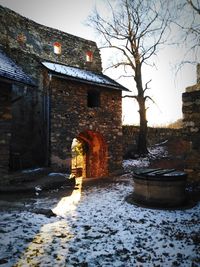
pixel 161 188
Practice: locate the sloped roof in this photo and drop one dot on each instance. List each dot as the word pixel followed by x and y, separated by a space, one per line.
pixel 11 71
pixel 81 75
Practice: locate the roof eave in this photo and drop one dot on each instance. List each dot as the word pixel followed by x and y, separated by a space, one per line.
pixel 112 84
pixel 66 77
pixel 10 80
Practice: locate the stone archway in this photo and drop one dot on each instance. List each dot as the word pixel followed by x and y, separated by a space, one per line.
pixel 89 157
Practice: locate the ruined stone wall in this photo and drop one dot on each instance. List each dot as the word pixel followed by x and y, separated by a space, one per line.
pixel 71 116
pixel 155 136
pixel 19 35
pixel 191 123
pixel 28 44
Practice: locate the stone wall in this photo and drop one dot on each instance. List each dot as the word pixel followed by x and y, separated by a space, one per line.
pixel 191 123
pixel 28 44
pixel 21 35
pixel 155 136
pixel 72 118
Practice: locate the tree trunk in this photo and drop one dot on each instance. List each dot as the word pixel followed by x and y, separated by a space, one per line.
pixel 142 138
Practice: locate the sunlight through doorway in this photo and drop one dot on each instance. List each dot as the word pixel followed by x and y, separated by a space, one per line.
pixel 89 155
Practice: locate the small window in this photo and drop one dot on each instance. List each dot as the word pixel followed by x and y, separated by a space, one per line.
pixel 93 99
pixel 89 56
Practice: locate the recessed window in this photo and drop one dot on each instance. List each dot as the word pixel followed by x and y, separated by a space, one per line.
pixel 57 48
pixel 89 56
pixel 93 99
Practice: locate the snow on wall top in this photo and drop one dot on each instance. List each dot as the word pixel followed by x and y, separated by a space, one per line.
pixel 82 75
pixel 10 70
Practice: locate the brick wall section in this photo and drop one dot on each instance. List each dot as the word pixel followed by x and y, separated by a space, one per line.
pixel 71 116
pixel 191 122
pixel 155 136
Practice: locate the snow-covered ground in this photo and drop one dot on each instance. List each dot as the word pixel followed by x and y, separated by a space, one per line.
pixel 156 152
pixel 95 226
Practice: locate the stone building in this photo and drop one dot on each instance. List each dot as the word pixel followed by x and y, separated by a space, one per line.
pixel 57 108
pixel 191 119
pixel 13 83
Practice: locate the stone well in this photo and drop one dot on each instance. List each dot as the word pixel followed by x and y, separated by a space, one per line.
pixel 162 188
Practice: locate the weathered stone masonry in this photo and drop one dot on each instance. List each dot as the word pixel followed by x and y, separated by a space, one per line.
pixel 71 116
pixel 155 136
pixel 191 120
pixel 37 43
pixel 47 118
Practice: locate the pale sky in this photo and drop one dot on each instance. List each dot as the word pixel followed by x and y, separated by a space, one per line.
pixel 166 87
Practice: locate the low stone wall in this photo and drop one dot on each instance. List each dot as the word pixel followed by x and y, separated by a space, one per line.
pixel 155 136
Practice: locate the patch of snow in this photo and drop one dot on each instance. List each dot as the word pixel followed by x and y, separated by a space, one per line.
pixel 32 170
pixel 130 164
pixel 155 152
pixel 57 174
pixel 86 75
pixel 75 72
pixel 38 188
pixel 101 230
pixel 162 143
pixel 9 69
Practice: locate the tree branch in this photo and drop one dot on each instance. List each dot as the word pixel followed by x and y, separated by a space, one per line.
pixel 146 85
pixel 130 96
pixel 197 9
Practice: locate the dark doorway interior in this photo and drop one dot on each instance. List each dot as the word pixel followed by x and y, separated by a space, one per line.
pixel 5 125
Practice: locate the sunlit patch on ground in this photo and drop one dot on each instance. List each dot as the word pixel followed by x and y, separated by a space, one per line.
pixel 68 205
pixel 48 247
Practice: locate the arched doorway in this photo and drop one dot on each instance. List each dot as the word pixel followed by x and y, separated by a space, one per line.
pixel 89 155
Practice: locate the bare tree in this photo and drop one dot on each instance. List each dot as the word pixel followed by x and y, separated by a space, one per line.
pixel 185 15
pixel 191 26
pixel 135 29
pixel 195 5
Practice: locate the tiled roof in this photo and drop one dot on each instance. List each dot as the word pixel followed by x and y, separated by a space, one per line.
pixel 11 71
pixel 86 76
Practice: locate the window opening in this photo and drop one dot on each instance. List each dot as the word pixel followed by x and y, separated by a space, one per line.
pixel 93 99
